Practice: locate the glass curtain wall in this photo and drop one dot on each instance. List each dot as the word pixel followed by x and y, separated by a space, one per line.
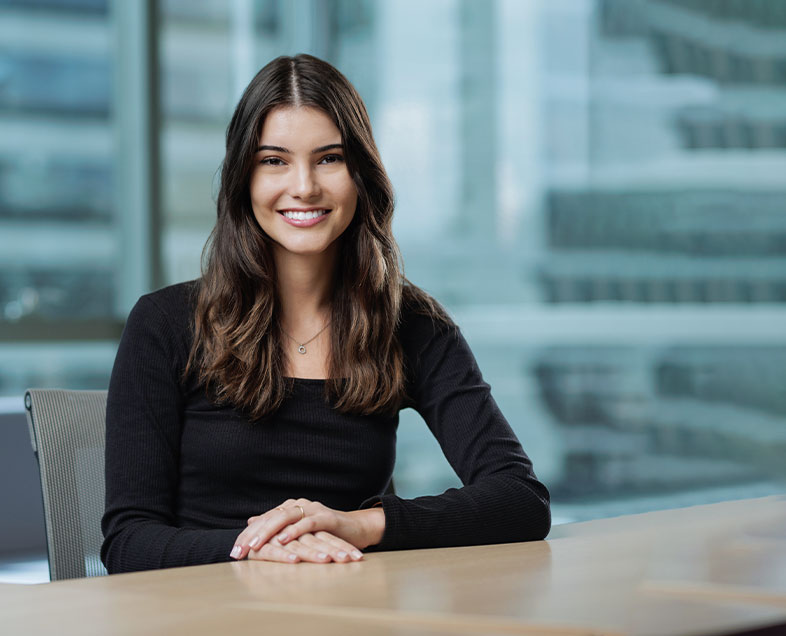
pixel 60 233
pixel 593 188
pixel 664 227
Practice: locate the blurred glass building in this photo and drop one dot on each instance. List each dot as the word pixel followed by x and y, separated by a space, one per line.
pixel 596 190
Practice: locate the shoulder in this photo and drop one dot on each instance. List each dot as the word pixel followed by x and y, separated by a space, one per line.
pixel 422 321
pixel 158 331
pixel 173 298
pixel 437 358
pixel 175 303
pixel 166 315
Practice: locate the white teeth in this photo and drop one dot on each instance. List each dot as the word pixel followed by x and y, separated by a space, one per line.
pixel 303 216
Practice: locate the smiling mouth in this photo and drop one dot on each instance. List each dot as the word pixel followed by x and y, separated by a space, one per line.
pixel 298 215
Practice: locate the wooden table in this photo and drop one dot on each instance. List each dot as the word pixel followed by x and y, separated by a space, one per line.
pixel 715 569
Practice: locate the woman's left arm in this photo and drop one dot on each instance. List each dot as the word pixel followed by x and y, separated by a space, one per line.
pixel 501 499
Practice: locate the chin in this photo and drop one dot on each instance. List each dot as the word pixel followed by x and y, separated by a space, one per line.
pixel 304 249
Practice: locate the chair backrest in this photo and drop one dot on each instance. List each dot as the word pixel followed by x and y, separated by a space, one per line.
pixel 67 433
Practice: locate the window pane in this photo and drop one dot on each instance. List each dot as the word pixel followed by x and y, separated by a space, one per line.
pixel 58 235
pixel 665 218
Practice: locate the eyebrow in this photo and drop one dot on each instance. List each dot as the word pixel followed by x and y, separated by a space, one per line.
pixel 289 152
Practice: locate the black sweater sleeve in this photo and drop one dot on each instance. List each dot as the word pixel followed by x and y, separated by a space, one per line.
pixel 144 410
pixel 501 500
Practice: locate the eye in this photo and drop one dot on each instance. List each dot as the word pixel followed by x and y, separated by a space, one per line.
pixel 331 159
pixel 271 161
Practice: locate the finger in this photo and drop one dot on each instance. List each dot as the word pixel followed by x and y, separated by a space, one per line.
pixel 312 523
pixel 273 552
pixel 283 504
pixel 317 517
pixel 341 545
pixel 261 531
pixel 318 553
pixel 339 551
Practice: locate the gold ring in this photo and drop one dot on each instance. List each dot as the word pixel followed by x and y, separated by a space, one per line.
pixel 302 512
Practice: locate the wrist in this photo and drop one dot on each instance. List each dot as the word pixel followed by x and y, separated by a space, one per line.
pixel 372 522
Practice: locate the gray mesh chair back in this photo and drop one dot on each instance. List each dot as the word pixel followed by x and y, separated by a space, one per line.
pixel 67 433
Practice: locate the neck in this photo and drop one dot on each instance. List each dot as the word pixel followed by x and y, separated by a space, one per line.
pixel 305 286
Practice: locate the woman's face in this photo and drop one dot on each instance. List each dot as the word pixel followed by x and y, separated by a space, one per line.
pixel 302 194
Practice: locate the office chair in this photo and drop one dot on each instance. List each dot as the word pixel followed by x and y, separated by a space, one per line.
pixel 67 433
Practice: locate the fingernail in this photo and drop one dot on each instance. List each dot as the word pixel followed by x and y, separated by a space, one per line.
pixel 254 542
pixel 283 537
pixel 322 556
pixel 235 552
pixel 357 554
pixel 292 557
pixel 342 555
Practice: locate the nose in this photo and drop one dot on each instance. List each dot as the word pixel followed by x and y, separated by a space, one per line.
pixel 304 183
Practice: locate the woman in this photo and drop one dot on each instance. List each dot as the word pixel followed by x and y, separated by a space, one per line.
pixel 253 413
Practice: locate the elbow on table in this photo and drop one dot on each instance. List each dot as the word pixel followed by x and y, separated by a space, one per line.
pixel 106 558
pixel 531 522
pixel 537 514
pixel 526 512
pixel 110 556
pixel 115 556
pixel 541 522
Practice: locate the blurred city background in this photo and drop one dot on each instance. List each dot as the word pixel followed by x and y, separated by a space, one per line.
pixel 595 189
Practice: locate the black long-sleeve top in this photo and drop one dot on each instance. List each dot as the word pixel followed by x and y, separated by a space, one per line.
pixel 183 474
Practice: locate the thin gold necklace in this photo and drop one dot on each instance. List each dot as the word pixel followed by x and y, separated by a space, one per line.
pixel 301 346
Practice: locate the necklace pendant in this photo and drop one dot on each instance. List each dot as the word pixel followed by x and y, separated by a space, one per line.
pixel 301 349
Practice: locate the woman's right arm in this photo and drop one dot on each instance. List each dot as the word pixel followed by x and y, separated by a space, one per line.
pixel 143 425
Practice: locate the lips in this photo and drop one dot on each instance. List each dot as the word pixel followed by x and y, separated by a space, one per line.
pixel 304 218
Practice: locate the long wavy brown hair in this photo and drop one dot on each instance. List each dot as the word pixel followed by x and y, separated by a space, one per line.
pixel 237 350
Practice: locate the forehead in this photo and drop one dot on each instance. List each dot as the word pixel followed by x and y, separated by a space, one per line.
pixel 289 125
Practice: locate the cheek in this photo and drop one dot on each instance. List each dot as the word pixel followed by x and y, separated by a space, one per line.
pixel 342 188
pixel 263 192
pixel 253 191
pixel 349 195
pixel 353 201
pixel 350 205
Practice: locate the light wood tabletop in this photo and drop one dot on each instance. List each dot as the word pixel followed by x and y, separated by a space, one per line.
pixel 703 570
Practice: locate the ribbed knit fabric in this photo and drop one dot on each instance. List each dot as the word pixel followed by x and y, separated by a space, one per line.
pixel 183 475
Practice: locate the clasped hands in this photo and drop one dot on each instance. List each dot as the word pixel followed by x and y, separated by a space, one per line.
pixel 304 530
